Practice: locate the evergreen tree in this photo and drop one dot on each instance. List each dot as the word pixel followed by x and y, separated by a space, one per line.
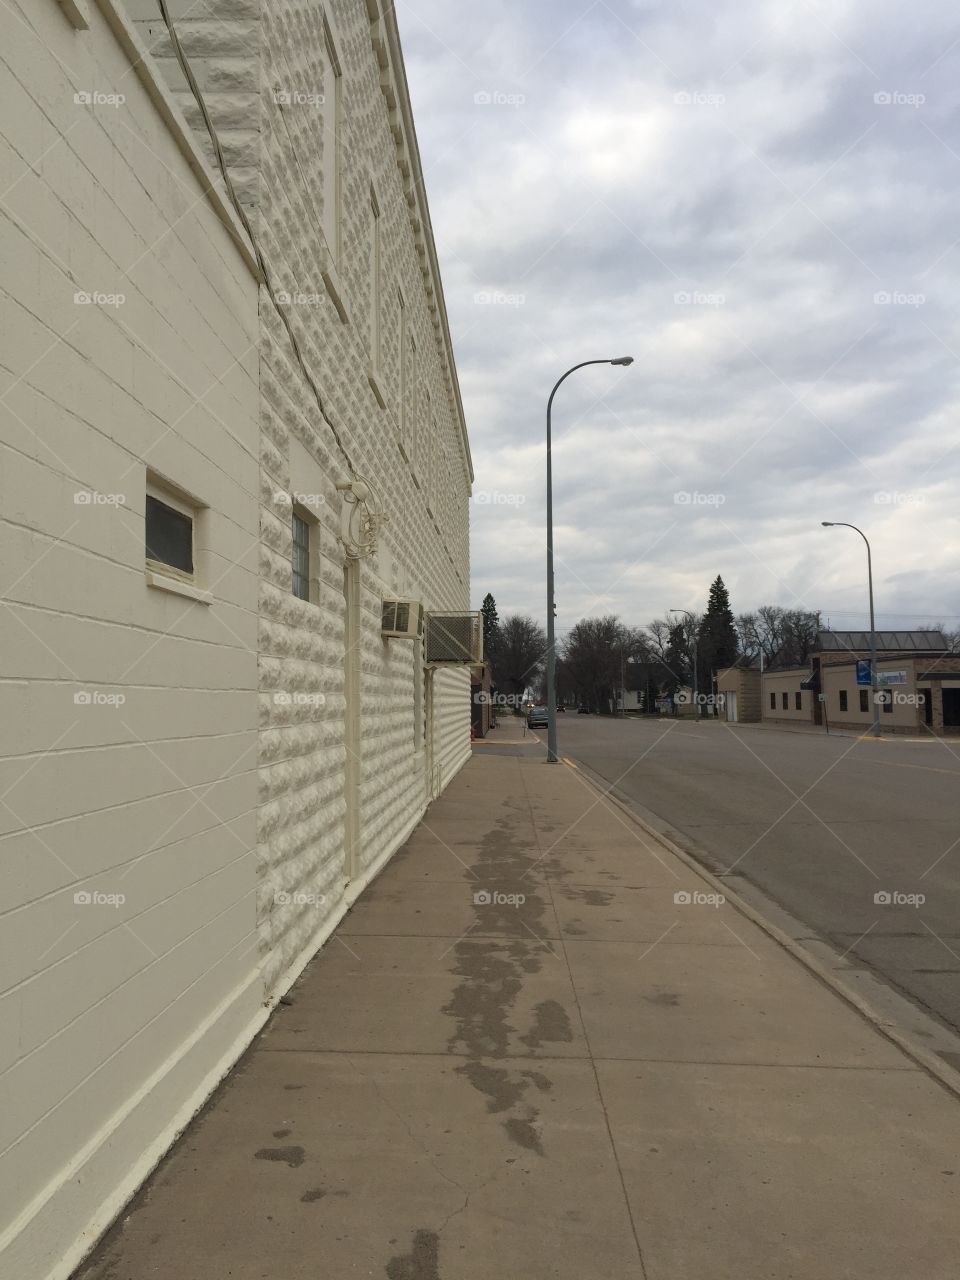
pixel 491 625
pixel 717 645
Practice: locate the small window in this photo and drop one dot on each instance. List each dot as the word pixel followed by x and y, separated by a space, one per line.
pixel 169 536
pixel 773 702
pixel 843 700
pixel 864 700
pixel 301 557
pixel 798 701
pixel 886 697
pixel 784 700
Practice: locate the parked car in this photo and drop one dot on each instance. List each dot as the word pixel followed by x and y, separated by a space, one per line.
pixel 583 709
pixel 537 718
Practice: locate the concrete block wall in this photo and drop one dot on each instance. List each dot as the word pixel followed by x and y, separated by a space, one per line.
pixel 221 40
pixel 413 454
pixel 219 798
pixel 267 82
pixel 129 737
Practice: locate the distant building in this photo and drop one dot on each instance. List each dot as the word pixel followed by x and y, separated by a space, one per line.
pixel 739 691
pixel 919 681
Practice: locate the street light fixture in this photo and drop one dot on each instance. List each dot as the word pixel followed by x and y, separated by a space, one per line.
pixel 552 757
pixel 840 524
pixel 696 691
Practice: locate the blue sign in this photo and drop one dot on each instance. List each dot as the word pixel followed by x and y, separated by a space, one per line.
pixel 864 674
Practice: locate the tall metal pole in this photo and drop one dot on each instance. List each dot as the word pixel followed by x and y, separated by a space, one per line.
pixel 874 686
pixel 552 756
pixel 874 675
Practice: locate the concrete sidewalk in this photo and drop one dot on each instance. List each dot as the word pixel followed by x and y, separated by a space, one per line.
pixel 521 1057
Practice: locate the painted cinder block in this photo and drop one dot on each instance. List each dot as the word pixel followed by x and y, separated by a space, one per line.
pixel 219 797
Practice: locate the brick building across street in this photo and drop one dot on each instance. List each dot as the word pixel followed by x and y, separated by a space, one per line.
pixel 918 678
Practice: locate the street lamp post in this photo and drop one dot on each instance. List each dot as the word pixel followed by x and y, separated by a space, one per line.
pixel 840 524
pixel 696 683
pixel 552 757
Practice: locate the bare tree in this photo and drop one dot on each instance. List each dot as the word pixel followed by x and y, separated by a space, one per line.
pixel 594 654
pixel 520 653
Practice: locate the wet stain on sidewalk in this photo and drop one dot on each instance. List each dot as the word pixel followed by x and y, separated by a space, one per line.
pixel 421 1263
pixel 552 1025
pixel 492 973
pixel 292 1156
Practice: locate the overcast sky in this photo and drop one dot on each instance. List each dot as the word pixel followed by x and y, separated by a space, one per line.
pixel 760 201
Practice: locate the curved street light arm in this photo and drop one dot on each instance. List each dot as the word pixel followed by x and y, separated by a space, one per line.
pixel 843 524
pixel 552 757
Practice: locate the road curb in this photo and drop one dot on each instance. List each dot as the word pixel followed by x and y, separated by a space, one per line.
pixel 930 1062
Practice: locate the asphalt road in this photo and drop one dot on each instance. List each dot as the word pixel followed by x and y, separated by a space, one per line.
pixel 821 825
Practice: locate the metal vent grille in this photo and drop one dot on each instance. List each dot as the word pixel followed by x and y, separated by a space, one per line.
pixel 454 637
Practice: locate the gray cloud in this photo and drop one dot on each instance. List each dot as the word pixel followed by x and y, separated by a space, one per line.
pixel 758 202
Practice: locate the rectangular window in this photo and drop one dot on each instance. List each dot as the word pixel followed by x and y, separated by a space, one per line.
pixel 784 700
pixel 375 254
pixel 332 145
pixel 843 700
pixel 798 701
pixel 886 696
pixel 773 702
pixel 864 700
pixel 169 535
pixel 301 557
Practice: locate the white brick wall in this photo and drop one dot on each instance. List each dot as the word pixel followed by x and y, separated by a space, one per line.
pixel 153 799
pixel 302 833
pixel 302 843
pixel 221 811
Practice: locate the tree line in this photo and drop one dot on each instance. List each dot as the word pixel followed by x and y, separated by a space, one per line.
pixel 602 655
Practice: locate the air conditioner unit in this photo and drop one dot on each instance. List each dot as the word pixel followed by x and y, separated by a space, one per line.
pixel 401 619
pixel 454 638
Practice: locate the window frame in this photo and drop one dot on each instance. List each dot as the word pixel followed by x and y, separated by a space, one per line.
pixel 307 518
pixel 784 701
pixel 168 577
pixel 773 700
pixel 844 701
pixel 798 701
pixel 865 701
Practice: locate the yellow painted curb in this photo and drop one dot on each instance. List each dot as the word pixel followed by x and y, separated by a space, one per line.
pixel 505 742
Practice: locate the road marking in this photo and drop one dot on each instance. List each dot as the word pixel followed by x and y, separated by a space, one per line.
pixel 505 742
pixel 896 764
pixel 567 760
pixel 896 740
